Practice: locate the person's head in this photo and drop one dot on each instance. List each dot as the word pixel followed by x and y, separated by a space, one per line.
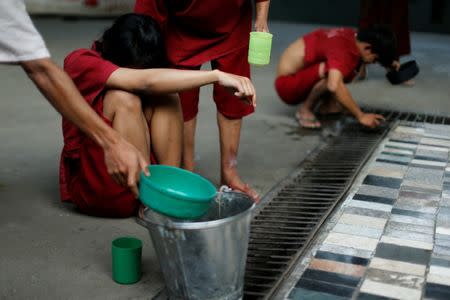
pixel 377 43
pixel 133 41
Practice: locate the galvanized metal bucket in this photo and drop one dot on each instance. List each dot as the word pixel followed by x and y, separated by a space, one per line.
pixel 205 258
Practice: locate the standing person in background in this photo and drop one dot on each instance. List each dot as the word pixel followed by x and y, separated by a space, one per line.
pixel 21 43
pixel 394 14
pixel 200 31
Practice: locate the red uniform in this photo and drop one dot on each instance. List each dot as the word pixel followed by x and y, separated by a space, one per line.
pixel 84 179
pixel 198 31
pixel 336 47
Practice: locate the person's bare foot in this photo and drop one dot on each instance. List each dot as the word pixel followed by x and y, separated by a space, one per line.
pixel 410 82
pixel 307 119
pixel 234 182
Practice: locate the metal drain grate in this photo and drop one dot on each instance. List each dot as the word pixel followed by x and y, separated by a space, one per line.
pixel 295 209
pixel 288 222
pixel 391 115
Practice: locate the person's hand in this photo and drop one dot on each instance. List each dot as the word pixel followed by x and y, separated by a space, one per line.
pixel 261 25
pixel 124 163
pixel 370 120
pixel 241 86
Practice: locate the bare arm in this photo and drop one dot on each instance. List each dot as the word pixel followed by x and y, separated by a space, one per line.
pixel 262 15
pixel 121 157
pixel 165 81
pixel 337 86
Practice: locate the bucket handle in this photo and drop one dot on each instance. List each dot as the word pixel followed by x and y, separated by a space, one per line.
pixel 139 218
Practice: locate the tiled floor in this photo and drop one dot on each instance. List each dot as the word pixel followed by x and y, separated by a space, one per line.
pixel 392 236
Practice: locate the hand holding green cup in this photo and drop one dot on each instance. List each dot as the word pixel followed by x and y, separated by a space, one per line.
pixel 259 48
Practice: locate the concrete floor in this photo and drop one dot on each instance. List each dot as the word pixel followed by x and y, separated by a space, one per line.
pixel 49 251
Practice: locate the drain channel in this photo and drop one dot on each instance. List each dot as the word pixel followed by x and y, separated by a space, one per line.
pixel 287 223
pixel 294 210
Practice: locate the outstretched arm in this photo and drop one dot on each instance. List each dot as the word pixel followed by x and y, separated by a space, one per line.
pixel 262 15
pixel 337 86
pixel 165 81
pixel 122 159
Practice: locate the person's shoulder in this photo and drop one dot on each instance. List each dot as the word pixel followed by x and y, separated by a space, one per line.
pixel 77 56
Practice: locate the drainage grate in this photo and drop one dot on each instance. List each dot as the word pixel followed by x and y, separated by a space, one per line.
pixel 391 115
pixel 285 225
pixel 295 209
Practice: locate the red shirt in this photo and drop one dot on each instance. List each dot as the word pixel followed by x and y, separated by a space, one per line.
pixel 89 71
pixel 337 47
pixel 197 31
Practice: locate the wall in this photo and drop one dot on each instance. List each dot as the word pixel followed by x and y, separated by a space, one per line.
pixel 346 12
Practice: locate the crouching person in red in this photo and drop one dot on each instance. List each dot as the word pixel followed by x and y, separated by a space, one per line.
pixel 318 65
pixel 124 80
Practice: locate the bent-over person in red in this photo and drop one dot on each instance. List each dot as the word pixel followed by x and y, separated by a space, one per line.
pixel 318 66
pixel 122 80
pixel 200 31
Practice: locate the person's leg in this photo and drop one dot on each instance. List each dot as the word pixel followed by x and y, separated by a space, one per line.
pixel 126 114
pixel 92 189
pixel 305 114
pixel 189 144
pixel 303 87
pixel 189 105
pixel 163 114
pixel 230 111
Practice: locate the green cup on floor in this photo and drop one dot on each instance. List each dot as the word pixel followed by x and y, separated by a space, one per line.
pixel 126 260
pixel 259 48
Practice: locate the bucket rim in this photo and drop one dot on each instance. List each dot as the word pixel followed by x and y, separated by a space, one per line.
pixel 188 225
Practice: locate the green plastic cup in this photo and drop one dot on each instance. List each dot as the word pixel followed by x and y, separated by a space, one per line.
pixel 126 260
pixel 259 48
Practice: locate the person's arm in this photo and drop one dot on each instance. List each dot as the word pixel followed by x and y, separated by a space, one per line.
pixel 337 86
pixel 262 15
pixel 122 159
pixel 166 81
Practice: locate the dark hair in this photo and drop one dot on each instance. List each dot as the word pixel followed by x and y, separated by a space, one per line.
pixel 383 42
pixel 134 41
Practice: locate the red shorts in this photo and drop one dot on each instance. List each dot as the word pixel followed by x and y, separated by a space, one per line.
pixel 227 104
pixel 90 186
pixel 294 89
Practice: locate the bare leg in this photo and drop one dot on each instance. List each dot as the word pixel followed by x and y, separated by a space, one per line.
pixel 189 144
pixel 163 114
pixel 125 112
pixel 330 105
pixel 230 132
pixel 305 111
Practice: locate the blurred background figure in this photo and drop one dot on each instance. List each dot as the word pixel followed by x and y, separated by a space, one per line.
pixel 392 13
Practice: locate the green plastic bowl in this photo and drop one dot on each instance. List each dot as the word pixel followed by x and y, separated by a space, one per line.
pixel 176 192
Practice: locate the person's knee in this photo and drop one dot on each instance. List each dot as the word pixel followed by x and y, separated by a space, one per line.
pixel 123 101
pixel 332 86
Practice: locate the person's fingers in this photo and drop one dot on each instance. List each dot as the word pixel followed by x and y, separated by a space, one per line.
pixel 253 93
pixel 144 166
pixel 131 182
pixel 380 117
pixel 376 122
pixel 119 179
pixel 249 87
pixel 254 100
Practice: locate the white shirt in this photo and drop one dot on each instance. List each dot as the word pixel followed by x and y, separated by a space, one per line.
pixel 19 39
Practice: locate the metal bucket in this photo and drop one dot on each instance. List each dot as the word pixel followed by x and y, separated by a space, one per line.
pixel 205 258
